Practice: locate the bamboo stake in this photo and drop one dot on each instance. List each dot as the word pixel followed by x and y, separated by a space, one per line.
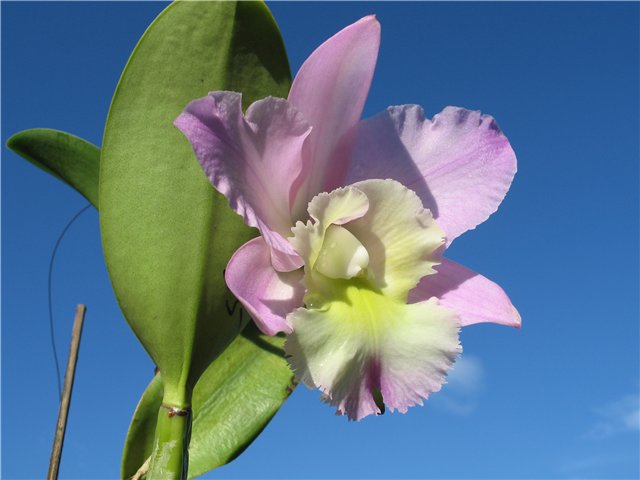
pixel 58 440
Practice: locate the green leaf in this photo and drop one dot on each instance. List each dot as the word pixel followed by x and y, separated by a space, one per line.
pixel 236 396
pixel 167 235
pixel 67 157
pixel 139 442
pixel 229 409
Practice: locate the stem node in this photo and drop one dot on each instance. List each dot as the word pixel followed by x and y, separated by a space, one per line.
pixel 170 457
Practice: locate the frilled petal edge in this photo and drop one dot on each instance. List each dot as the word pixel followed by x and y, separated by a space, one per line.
pixel 267 295
pixel 369 345
pixel 400 235
pixel 460 163
pixel 254 160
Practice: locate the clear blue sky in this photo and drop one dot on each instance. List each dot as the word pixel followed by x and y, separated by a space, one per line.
pixel 556 399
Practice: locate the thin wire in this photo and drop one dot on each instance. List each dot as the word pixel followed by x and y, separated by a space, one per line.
pixel 51 329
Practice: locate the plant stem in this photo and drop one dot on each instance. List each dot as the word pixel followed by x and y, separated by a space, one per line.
pixel 170 457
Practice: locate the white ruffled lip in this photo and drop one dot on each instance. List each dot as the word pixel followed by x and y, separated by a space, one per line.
pixel 347 341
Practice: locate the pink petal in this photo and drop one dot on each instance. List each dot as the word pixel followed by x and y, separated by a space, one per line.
pixel 459 163
pixel 253 159
pixel 283 260
pixel 267 295
pixel 473 297
pixel 330 90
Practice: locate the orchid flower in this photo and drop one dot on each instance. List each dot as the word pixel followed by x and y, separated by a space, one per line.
pixel 354 217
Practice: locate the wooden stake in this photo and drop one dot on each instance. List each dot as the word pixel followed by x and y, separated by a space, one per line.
pixel 58 440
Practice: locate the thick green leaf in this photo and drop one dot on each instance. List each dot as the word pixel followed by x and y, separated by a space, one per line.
pixel 240 391
pixel 67 157
pixel 139 443
pixel 232 402
pixel 167 235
